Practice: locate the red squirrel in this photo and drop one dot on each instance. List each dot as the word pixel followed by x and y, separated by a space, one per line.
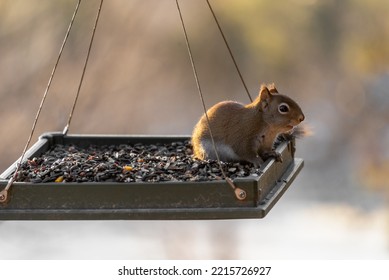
pixel 246 132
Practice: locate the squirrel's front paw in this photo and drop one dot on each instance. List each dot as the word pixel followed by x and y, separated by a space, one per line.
pixel 273 154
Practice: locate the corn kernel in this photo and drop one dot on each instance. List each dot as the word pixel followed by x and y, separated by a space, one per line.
pixel 59 179
pixel 127 168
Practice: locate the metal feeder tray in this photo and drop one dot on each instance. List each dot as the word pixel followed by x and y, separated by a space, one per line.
pixel 145 201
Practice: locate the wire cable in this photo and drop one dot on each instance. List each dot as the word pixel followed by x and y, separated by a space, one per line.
pixel 66 129
pixel 239 193
pixel 4 193
pixel 229 50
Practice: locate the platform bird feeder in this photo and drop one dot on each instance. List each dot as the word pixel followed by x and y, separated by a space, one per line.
pixel 144 200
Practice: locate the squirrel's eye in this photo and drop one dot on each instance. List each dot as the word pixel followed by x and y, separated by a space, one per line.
pixel 283 108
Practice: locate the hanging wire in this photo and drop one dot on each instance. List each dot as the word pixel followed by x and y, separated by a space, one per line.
pixel 229 50
pixel 4 192
pixel 66 129
pixel 239 193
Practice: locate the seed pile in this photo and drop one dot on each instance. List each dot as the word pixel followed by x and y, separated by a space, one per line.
pixel 127 163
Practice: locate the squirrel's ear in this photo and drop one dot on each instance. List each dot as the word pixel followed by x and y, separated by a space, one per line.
pixel 264 97
pixel 272 88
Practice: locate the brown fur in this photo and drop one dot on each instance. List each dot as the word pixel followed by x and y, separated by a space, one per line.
pixel 248 130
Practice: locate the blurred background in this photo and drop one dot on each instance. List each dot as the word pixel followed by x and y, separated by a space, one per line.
pixel 331 56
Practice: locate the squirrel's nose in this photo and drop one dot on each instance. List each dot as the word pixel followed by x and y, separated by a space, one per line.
pixel 302 117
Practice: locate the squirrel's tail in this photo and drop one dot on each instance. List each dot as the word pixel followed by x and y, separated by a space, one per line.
pixel 300 131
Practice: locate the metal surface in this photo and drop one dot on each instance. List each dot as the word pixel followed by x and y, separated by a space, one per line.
pixel 134 201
